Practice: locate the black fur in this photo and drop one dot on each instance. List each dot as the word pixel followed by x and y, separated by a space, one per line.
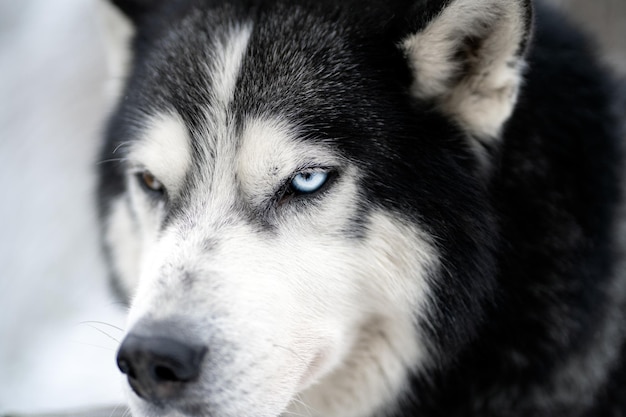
pixel 527 318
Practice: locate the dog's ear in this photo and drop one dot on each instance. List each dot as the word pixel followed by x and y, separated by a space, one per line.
pixel 119 19
pixel 133 9
pixel 469 58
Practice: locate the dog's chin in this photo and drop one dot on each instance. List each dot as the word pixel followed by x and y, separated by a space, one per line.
pixel 198 408
pixel 141 408
pixel 210 397
pixel 237 405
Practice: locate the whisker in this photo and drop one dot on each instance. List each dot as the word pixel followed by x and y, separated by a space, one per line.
pixel 120 145
pixel 106 161
pixel 125 412
pixel 93 345
pixel 102 331
pixel 118 303
pixel 293 352
pixel 292 413
pixel 102 323
pixel 307 407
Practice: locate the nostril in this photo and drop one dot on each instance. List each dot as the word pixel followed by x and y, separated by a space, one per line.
pixel 125 367
pixel 158 367
pixel 163 373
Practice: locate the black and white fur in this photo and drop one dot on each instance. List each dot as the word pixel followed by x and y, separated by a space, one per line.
pixel 462 256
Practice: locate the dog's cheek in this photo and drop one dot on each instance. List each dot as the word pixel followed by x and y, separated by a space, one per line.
pixel 324 308
pixel 122 244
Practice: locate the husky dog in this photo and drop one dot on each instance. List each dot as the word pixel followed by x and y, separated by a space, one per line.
pixel 365 208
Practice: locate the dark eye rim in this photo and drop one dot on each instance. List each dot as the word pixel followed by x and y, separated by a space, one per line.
pixel 288 193
pixel 160 193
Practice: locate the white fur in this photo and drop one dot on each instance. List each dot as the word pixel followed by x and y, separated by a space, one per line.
pixel 393 260
pixel 229 53
pixel 164 149
pixel 270 153
pixel 314 312
pixel 484 98
pixel 117 32
pixel 226 59
pixel 300 317
pixel 122 236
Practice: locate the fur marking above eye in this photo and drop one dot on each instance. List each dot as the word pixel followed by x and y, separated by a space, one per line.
pixel 308 182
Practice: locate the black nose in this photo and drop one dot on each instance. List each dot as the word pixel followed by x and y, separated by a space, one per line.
pixel 158 367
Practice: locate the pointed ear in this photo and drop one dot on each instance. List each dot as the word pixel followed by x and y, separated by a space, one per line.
pixel 133 9
pixel 118 31
pixel 469 59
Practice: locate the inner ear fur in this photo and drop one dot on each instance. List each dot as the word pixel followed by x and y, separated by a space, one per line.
pixel 469 59
pixel 118 22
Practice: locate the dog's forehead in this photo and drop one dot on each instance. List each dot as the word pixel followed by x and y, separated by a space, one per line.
pixel 291 61
pixel 218 74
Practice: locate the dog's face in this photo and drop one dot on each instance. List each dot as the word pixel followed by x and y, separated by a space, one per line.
pixel 264 209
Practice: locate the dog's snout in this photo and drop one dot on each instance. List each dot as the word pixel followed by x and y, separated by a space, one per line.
pixel 159 366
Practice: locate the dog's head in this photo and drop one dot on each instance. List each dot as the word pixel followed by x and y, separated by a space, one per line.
pixel 292 197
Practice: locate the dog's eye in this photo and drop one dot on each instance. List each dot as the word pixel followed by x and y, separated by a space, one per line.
pixel 308 182
pixel 150 183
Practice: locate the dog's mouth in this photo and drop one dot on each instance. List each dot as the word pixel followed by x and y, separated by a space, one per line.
pixel 172 373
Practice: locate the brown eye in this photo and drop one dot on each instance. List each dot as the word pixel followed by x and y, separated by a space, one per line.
pixel 150 183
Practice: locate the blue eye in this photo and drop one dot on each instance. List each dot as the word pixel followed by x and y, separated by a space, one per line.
pixel 309 182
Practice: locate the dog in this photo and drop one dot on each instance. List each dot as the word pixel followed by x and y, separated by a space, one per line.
pixel 357 209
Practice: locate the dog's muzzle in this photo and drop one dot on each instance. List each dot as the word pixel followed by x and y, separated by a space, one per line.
pixel 159 361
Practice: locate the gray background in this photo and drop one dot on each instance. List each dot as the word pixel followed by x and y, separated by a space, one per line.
pixel 606 20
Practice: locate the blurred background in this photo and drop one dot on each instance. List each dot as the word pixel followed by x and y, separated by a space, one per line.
pixel 56 353
pixel 60 326
pixel 605 20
